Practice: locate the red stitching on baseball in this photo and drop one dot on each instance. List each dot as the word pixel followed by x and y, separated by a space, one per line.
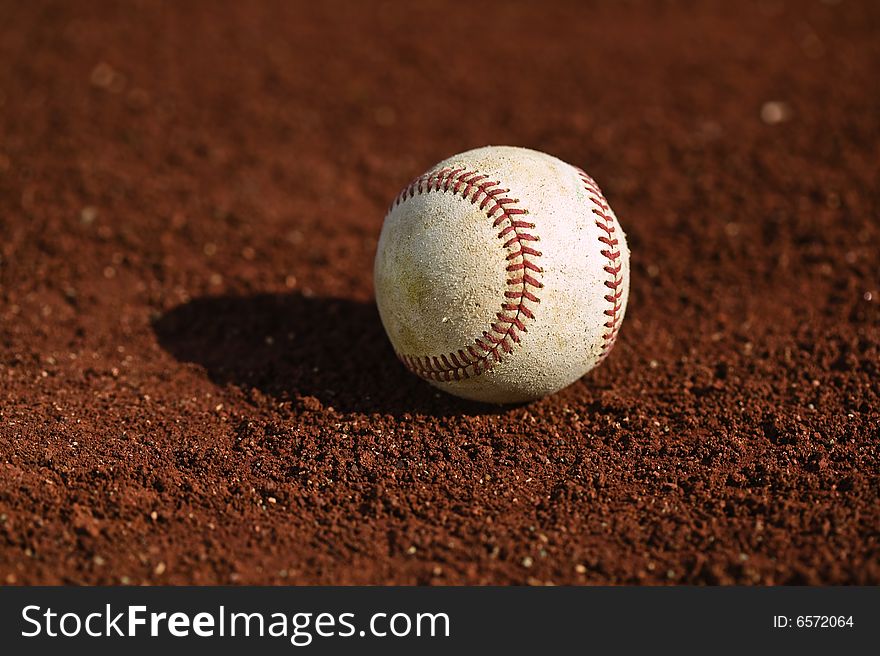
pixel 476 187
pixel 605 223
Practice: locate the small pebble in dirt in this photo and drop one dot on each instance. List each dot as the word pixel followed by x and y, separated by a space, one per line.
pixel 88 214
pixel 105 77
pixel 774 111
pixel 102 75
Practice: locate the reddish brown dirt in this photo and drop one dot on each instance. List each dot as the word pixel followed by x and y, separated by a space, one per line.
pixel 194 384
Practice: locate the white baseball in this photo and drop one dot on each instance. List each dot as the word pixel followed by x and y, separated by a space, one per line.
pixel 502 275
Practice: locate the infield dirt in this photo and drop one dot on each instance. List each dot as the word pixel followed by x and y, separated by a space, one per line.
pixel 194 383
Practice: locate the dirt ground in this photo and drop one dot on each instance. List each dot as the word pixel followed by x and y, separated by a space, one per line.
pixel 194 383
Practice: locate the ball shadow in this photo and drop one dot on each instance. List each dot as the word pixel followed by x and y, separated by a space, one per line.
pixel 292 347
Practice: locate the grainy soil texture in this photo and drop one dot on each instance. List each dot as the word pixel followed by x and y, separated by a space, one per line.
pixel 195 386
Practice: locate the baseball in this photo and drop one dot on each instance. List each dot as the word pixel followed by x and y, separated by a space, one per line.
pixel 501 275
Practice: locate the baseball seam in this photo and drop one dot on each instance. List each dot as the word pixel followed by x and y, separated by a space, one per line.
pixel 485 352
pixel 614 266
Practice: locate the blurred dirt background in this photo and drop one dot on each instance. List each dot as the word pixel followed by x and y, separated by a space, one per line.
pixel 194 383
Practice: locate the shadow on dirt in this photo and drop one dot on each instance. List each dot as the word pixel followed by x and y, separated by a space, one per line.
pixel 291 346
